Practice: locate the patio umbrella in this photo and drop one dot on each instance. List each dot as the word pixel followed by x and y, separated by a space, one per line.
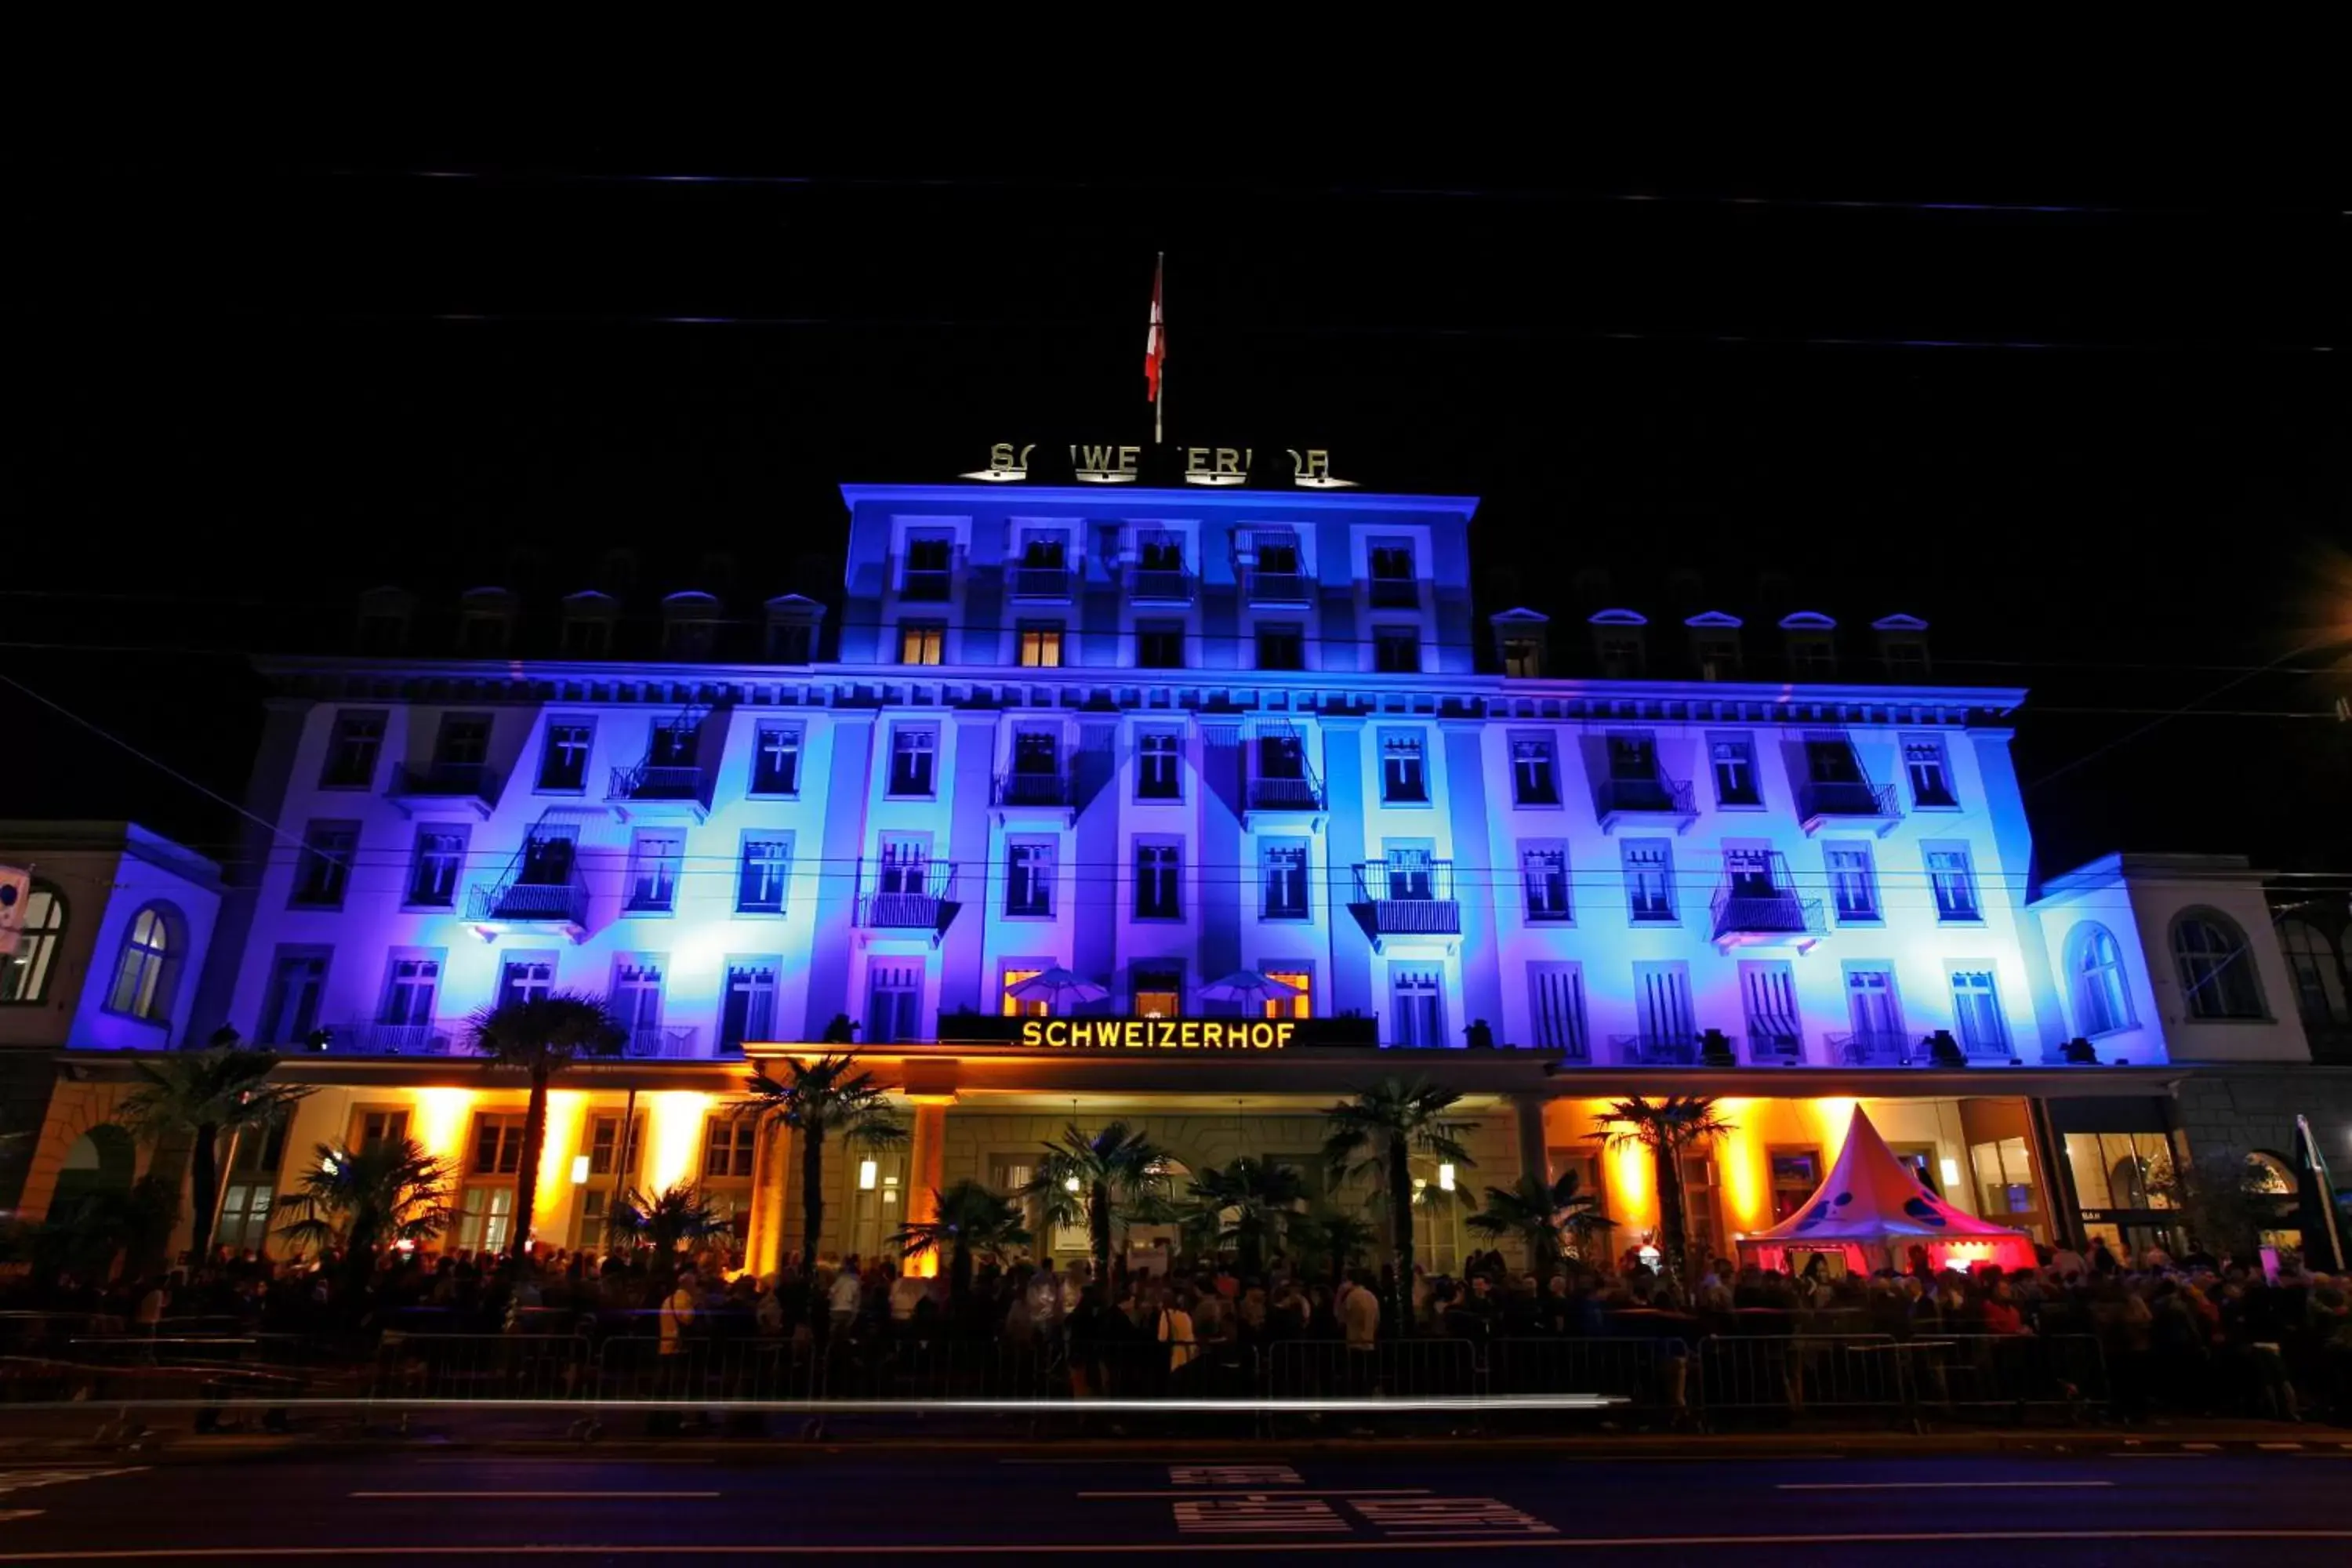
pixel 1058 988
pixel 1249 985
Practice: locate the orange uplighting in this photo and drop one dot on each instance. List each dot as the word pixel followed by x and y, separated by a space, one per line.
pixel 1740 1165
pixel 1833 1114
pixel 1632 1195
pixel 440 1122
pixel 567 1113
pixel 673 1135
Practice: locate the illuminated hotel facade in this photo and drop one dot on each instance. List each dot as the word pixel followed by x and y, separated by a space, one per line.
pixel 1080 792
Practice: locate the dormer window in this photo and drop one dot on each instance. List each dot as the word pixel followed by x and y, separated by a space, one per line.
pixel 1520 637
pixel 1523 656
pixel 1902 646
pixel 384 615
pixel 1812 645
pixel 792 628
pixel 691 624
pixel 486 619
pixel 1715 645
pixel 1619 644
pixel 588 625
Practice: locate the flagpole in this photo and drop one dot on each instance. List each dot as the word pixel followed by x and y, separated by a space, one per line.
pixel 1160 306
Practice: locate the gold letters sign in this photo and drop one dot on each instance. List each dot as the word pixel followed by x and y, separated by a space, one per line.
pixel 1156 1034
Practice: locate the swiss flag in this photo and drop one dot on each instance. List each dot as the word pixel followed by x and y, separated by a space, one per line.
pixel 1155 346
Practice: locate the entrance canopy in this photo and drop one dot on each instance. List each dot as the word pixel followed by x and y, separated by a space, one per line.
pixel 1872 1211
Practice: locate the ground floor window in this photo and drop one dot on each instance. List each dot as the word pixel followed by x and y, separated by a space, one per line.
pixel 2004 1179
pixel 245 1216
pixel 487 1222
pixel 1796 1176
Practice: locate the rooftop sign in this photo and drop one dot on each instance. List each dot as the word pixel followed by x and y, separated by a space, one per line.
pixel 1125 1034
pixel 1297 467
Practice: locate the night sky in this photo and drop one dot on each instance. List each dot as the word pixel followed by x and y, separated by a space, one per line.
pixel 2103 449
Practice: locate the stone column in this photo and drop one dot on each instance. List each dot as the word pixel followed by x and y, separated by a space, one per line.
pixel 772 1198
pixel 926 1162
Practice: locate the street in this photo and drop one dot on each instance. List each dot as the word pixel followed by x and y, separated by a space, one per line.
pixel 1449 1506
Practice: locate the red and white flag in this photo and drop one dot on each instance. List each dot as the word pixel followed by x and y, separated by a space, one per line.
pixel 1155 346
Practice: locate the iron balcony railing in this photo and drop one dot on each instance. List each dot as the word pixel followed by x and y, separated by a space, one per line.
pixel 1848 798
pixel 658 781
pixel 927 587
pixel 1395 594
pixel 1774 913
pixel 1275 587
pixel 1038 583
pixel 1032 789
pixel 1408 900
pixel 1285 794
pixel 1658 794
pixel 553 904
pixel 904 907
pixel 1649 1049
pixel 438 1038
pixel 660 1040
pixel 1154 585
pixel 478 780
pixel 1775 1048
pixel 1871 1047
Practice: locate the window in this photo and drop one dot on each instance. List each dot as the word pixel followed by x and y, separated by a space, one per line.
pixel 1796 1176
pixel 1543 873
pixel 409 986
pixel 914 752
pixel 776 760
pixel 791 641
pixel 2311 965
pixel 1017 1005
pixel 1830 759
pixel 2004 1178
pixel 1281 646
pixel 1954 882
pixel 1662 998
pixel 1029 878
pixel 498 1143
pixel 1396 650
pixel 585 636
pixel 526 977
pixel 636 1001
pixel 372 1129
pixel 1522 657
pixel 1733 761
pixel 1419 1015
pixel 146 970
pixel 894 994
pixel 1854 881
pixel 1041 645
pixel 2217 972
pixel 1813 656
pixel 1044 548
pixel 1556 1008
pixel 1158 765
pixel 435 864
pixel 563 765
pixel 1299 1003
pixel 1283 873
pixel 1402 779
pixel 1907 658
pixel 2102 1000
pixel 1768 995
pixel 922 642
pixel 1409 866
pixel 1277 551
pixel 352 752
pixel 1622 654
pixel 1159 645
pixel 1632 757
pixel 1535 771
pixel 1977 1015
pixel 24 974
pixel 1158 550
pixel 1395 585
pixel 323 873
pixel 653 861
pixel 764 869
pixel 2121 1169
pixel 727 1146
pixel 750 1010
pixel 1158 881
pixel 1717 653
pixel 487 1218
pixel 247 1208
pixel 688 630
pixel 463 742
pixel 608 1154
pixel 1930 776
pixel 1874 1008
pixel 905 864
pixel 1649 880
pixel 1159 991
pixel 290 1007
pixel 929 563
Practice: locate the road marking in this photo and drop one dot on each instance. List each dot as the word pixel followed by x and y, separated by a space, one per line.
pixel 1233 1476
pixel 1286 1491
pixel 1455 1517
pixel 1259 1513
pixel 2208 1447
pixel 535 1494
pixel 1146 1548
pixel 17 1480
pixel 2278 1448
pixel 1924 1486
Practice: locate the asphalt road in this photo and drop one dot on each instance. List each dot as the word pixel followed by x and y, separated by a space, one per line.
pixel 1460 1506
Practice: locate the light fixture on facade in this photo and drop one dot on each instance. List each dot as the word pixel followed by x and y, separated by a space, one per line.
pixel 1444 1178
pixel 867 1173
pixel 579 1170
pixel 1951 1172
pixel 1070 1185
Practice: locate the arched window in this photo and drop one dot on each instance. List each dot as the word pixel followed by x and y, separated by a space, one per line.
pixel 146 973
pixel 2217 970
pixel 2102 1000
pixel 2318 978
pixel 24 974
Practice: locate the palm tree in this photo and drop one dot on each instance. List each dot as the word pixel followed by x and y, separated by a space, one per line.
pixel 1380 1132
pixel 830 1097
pixel 1666 1127
pixel 540 1036
pixel 1336 1238
pixel 1248 1203
pixel 199 1095
pixel 968 1221
pixel 362 1199
pixel 1553 1221
pixel 678 1214
pixel 1117 1178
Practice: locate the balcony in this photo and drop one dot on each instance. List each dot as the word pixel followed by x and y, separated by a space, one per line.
pixel 1774 1048
pixel 660 1042
pixel 1276 587
pixel 1395 901
pixel 896 909
pixel 926 586
pixel 1766 919
pixel 1038 582
pixel 473 784
pixel 1656 1050
pixel 439 1038
pixel 1283 803
pixel 504 906
pixel 659 792
pixel 1395 594
pixel 1646 802
pixel 1152 585
pixel 1851 803
pixel 1020 794
pixel 1871 1049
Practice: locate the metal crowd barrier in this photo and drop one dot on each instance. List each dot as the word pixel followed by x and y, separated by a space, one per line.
pixel 1795 1375
pixel 1648 1374
pixel 2018 1375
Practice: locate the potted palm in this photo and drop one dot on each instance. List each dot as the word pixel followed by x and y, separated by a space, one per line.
pixel 1379 1133
pixel 540 1036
